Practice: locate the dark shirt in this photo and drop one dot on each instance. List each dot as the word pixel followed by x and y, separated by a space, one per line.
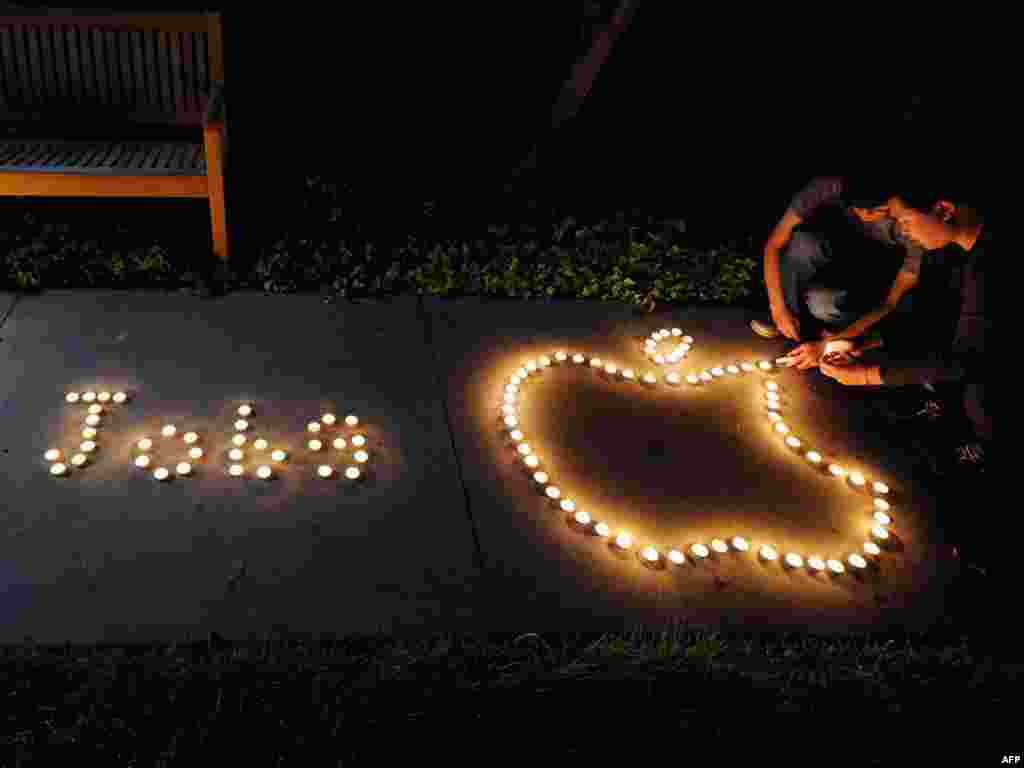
pixel 965 357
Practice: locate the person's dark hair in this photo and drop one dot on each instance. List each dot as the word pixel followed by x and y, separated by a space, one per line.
pixel 919 190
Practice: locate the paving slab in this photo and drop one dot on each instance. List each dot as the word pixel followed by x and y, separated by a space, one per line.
pixel 673 466
pixel 109 554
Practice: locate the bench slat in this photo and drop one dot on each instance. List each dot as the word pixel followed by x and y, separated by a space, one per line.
pixel 158 158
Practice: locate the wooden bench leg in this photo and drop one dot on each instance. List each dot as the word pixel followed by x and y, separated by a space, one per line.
pixel 214 139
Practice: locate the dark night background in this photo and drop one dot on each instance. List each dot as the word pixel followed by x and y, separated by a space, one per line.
pixel 719 112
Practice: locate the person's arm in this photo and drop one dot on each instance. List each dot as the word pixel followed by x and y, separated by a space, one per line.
pixel 904 282
pixel 774 245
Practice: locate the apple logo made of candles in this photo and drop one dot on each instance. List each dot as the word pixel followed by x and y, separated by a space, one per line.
pixel 696 551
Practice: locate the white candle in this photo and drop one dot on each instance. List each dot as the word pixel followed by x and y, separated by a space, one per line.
pixel 699 551
pixel 835 566
pixel 624 541
pixel 560 356
pixel 772 396
pixel 857 561
pixel 602 529
pixel 879 533
pixel 279 455
pixel 96 408
pixel 836 470
pixel 195 453
pixel 265 472
pixel 659 359
pixel 717 371
pixel 52 455
pixel 72 397
pixel 676 557
pixel 871 548
pixel 235 454
pixel 361 456
pixel 582 517
pixel 693 378
pixel 515 380
pixel 814 457
pixel 169 430
pixel 740 544
pixel 245 410
pixel 58 469
pixel 881 488
pixel 628 374
pixel 793 560
pixel 328 419
pixel 552 492
pixel 324 471
pixel 673 378
pixel 340 444
pixel 568 505
pixel 772 406
pixel 191 437
pixel 816 563
pixel 882 518
pixel 769 553
pixel 595 362
pixel 92 420
pixel 733 369
pixel 184 468
pixel 509 398
pixel 511 421
pixel 792 442
pixel 88 446
pixel 774 417
pixel 705 376
pixel 261 444
pixel 145 444
pixel 544 362
pixel 781 427
pixel 120 397
pixel 352 473
pixel 771 386
pixel 79 459
pixel 89 397
pixel 719 546
pixel 765 365
pixel 650 554
pixel 161 473
pixel 522 373
pixel 531 461
pixel 315 445
pixel 142 461
pixel 523 448
pixel 88 433
pixel 688 339
pixel 236 470
pixel 857 479
pixel 511 389
pixel 577 358
pixel 610 369
pixel 649 378
pixel 238 440
pixel 540 477
pixel 881 505
pixel 241 425
pixel 677 332
pixel 531 366
pixel 313 427
pixel 746 367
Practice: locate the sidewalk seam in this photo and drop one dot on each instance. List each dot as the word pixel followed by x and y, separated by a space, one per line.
pixel 10 310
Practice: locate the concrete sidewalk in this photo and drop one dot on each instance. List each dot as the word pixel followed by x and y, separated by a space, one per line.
pixel 446 531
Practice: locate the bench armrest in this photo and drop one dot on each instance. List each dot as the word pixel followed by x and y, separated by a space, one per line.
pixel 214 116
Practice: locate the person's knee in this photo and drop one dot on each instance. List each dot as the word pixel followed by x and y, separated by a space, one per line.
pixel 822 303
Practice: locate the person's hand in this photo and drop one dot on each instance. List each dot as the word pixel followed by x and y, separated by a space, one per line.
pixel 854 374
pixel 826 334
pixel 807 355
pixel 787 323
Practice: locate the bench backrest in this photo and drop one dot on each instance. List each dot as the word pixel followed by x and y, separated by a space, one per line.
pixel 77 65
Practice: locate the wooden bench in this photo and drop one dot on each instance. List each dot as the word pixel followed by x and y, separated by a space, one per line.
pixel 110 104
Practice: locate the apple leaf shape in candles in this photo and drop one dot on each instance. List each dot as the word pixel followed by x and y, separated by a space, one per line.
pixel 730 545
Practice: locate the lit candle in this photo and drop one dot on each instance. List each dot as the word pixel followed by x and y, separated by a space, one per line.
pixel 771 386
pixel 184 468
pixel 610 369
pixel 577 358
pixel 540 477
pixel 361 456
pixel 58 469
pixel 836 470
pixel 683 348
pixel 835 566
pixel 772 406
pixel 792 442
pixel 793 560
pixel 693 378
pixel 871 548
pixel 92 420
pixel 509 398
pixel 161 473
pixel 142 461
pixel 560 356
pixel 511 389
pixel 315 445
pixel 881 488
pixel 511 422
pixel 265 472
pixel 89 397
pixel 145 444
pixel 677 332
pixel 241 425
pixel 523 448
pixel 96 408
pixel 688 339
pixel 740 544
pixel 552 492
pixel 582 517
pixel 88 446
pixel 120 397
pixel 595 362
pixel 699 551
pixel 88 433
pixel 765 365
pixel 236 470
pixel 816 563
pixel 719 546
pixel 664 333
pixel 769 553
pixel 52 455
pixel 328 419
pixel 673 378
pixel 516 435
pixel 650 345
pixel 79 459
pixel 879 532
pixel 814 457
pixel 772 396
pixel 358 441
pixel 279 455
pixel 881 505
pixel 602 529
pixel 514 380
pixel 103 397
pixel 339 443
pixel 195 453
pixel 544 362
pixel 659 359
pixel 72 397
pixel 568 505
pixel 313 427
pixel 245 410
pixel 676 557
pixel 781 427
pixel 650 554
pixel 531 366
pixel 191 437
pixel 531 461
pixel 882 518
pixel 628 374
pixel 705 376
pixel 522 373
pixel 169 430
pixel 261 444
pixel 624 541
pixel 236 454
pixel 774 417
pixel 649 378
pixel 238 440
pixel 733 369
pixel 746 367
pixel 352 473
pixel 324 471
pixel 717 371
pixel 857 479
pixel 857 561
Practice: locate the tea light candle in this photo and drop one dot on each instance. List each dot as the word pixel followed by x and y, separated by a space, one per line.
pixel 92 420
pixel 672 378
pixel 835 566
pixel 602 529
pixel 764 365
pixel 719 546
pixel 340 444
pixel 313 427
pixel 324 471
pixel 169 430
pixel 610 369
pixel 161 473
pixel 772 406
pixel 509 398
pixel 871 548
pixel 79 459
pixel 649 378
pixel 315 445
pixel 236 470
pixel 628 374
pixel 771 386
pixel 552 492
pixel 71 397
pixel 688 339
pixel 58 469
pixel 857 561
pixel 816 563
pixel 531 366
pixel 241 425
pixel 650 345
pixel 772 396
pixel 650 554
pixel 595 362
pixel 261 444
pixel 142 461
pixel 145 444
pixel 659 359
pixel 774 417
pixel 245 410
pixel 191 437
pixel 881 505
pixel 769 553
pixel 358 441
pixel 793 560
pixel 235 454
pixel 511 422
pixel 511 389
pixel 264 472
pixel 693 378
pixel 879 532
pixel 88 446
pixel 195 453
pixel 361 456
pixel 523 448
pixel 582 517
pixel 328 419
pixel 96 408
pixel 120 397
pixel 676 557
pixel 814 457
pixel 560 356
pixel 624 541
pixel 522 373
pixel 568 505
pixel 352 473
pixel 540 477
pixel 577 358
pixel 857 479
pixel 882 518
pixel 279 455
pixel 52 455
pixel 747 367
pixel 531 461
pixel 705 376
pixel 733 369
pixel 740 544
pixel 184 468
pixel 792 442
pixel 781 427
pixel 238 440
pixel 544 362
pixel 880 488
pixel 103 397
pixel 717 371
pixel 699 551
pixel 89 396
pixel 683 348
pixel 836 470
pixel 677 332
pixel 88 433
pixel 514 380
